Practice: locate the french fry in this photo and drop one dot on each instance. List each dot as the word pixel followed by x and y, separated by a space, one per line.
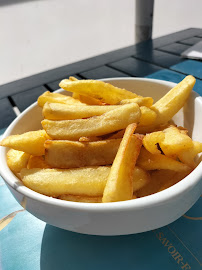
pixel 57 111
pixel 89 139
pixel 148 116
pixel 173 101
pixel 148 161
pixel 37 162
pixel 160 180
pixel 31 142
pixel 119 186
pixel 141 101
pixel 188 156
pixel 97 89
pixel 71 154
pixel 86 181
pixel 151 140
pixel 57 98
pixel 83 199
pixel 174 142
pixel 141 178
pixel 171 141
pixel 17 160
pixel 95 126
pixel 118 135
pixel 88 100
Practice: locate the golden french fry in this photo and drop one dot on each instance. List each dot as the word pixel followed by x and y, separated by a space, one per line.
pixel 97 89
pixel 95 126
pixel 118 135
pixel 88 100
pixel 148 161
pixel 188 156
pixel 148 116
pixel 87 181
pixel 140 178
pixel 37 162
pixel 31 142
pixel 57 98
pixel 141 101
pixel 17 160
pixel 174 142
pixel 89 139
pixel 119 186
pixel 83 199
pixel 160 180
pixel 151 140
pixel 174 180
pixel 71 154
pixel 173 101
pixel 71 78
pixel 57 111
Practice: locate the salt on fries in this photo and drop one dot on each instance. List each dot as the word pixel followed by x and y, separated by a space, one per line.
pixel 92 148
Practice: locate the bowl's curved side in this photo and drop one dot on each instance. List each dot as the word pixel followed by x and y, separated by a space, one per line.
pixel 113 218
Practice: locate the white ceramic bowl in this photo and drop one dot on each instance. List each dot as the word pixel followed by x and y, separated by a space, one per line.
pixel 116 218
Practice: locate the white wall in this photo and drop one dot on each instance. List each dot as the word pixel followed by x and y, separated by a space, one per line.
pixel 38 35
pixel 176 15
pixel 41 35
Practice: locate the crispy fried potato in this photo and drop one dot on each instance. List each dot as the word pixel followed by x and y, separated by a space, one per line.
pixel 83 199
pixel 148 116
pixel 71 154
pixel 148 161
pixel 97 89
pixel 160 180
pixel 174 142
pixel 141 101
pixel 95 126
pixel 151 141
pixel 171 141
pixel 188 156
pixel 57 111
pixel 87 181
pixel 89 139
pixel 117 135
pixel 88 100
pixel 57 98
pixel 37 162
pixel 17 160
pixel 173 101
pixel 140 178
pixel 31 142
pixel 119 186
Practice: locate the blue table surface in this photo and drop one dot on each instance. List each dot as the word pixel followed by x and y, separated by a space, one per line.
pixel 27 243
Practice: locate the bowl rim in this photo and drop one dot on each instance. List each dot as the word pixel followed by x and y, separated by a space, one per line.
pixel 159 198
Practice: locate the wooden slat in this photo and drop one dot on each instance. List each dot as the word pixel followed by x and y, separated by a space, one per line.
pixel 102 72
pixel 135 67
pixel 191 67
pixel 7 114
pixel 26 98
pixel 174 48
pixel 159 58
pixel 191 41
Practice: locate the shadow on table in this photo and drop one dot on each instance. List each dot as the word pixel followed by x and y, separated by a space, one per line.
pixel 62 249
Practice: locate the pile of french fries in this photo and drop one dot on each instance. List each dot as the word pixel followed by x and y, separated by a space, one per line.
pixel 104 144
